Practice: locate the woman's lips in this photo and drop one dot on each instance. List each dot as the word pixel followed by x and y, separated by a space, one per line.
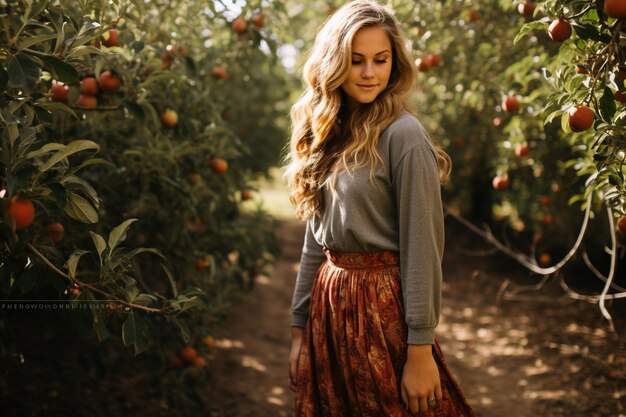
pixel 367 87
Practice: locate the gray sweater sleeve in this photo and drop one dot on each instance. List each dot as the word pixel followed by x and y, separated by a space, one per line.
pixel 311 259
pixel 420 216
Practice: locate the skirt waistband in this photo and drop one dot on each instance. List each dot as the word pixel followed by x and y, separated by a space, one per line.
pixel 363 260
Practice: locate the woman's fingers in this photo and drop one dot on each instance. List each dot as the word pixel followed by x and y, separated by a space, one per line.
pixel 405 398
pixel 423 404
pixel 293 369
pixel 414 405
pixel 438 393
pixel 432 400
pixel 420 379
pixel 411 403
pixel 294 355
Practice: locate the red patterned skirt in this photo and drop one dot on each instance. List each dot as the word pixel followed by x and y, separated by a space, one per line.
pixel 354 347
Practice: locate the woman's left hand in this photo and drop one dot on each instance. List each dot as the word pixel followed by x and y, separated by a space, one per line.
pixel 420 379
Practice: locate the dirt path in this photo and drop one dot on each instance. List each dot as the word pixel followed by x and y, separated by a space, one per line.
pixel 521 358
pixel 249 371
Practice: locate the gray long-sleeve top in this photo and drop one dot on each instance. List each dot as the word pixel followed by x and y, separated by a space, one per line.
pixel 399 211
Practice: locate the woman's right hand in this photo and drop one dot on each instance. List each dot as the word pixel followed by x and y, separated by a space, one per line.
pixel 296 345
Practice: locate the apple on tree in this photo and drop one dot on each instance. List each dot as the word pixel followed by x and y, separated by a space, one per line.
pixel 615 8
pixel 169 118
pixel 109 82
pixel 89 86
pixel 510 104
pixel 59 92
pixel 112 38
pixel 560 30
pixel 259 20
pixel 580 118
pixel 219 165
pixel 21 210
pixel 240 25
pixel 87 101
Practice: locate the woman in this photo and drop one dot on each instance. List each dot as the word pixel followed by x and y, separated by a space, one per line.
pixel 366 178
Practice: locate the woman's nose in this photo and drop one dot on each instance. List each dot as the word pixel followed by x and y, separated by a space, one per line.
pixel 368 70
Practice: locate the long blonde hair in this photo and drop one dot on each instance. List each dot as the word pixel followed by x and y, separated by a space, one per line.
pixel 325 137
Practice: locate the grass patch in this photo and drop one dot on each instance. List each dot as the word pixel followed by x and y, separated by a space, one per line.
pixel 272 196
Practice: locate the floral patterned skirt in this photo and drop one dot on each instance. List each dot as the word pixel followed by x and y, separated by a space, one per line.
pixel 354 348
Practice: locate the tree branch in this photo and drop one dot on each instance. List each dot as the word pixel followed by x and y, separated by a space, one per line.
pixel 523 259
pixel 91 287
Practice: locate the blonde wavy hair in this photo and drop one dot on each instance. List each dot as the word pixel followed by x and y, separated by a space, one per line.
pixel 325 137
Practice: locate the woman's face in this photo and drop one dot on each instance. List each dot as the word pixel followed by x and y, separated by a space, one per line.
pixel 369 73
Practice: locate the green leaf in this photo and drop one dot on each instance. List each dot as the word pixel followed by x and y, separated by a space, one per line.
pixel 134 332
pixel 191 66
pixel 89 162
pixel 150 111
pixel 72 262
pixel 7 117
pixel 137 251
pixel 28 278
pixel 99 243
pixel 59 192
pixel 575 82
pixel 80 209
pixel 574 199
pixel 97 314
pixel 552 116
pixel 75 183
pixel 145 299
pixel 47 148
pixel 157 76
pixel 99 324
pixel 170 277
pixel 71 148
pixel 83 35
pixel 13 132
pixel 82 51
pixel 60 37
pixel 527 27
pixel 118 234
pixel 130 287
pixel 615 180
pixel 135 109
pixel 23 71
pixel 63 71
pixel 55 105
pixel 27 43
pixel 4 79
pixel 185 333
pixel 28 135
pixel 137 46
pixel 564 122
pixel 37 9
pixel 186 303
pixel 586 32
pixel 607 105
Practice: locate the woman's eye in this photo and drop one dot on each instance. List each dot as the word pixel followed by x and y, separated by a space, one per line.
pixel 378 61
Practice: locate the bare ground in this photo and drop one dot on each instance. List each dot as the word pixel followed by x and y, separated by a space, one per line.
pixel 537 354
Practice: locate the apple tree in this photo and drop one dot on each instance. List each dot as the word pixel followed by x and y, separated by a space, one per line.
pixel 129 141
pixel 525 96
